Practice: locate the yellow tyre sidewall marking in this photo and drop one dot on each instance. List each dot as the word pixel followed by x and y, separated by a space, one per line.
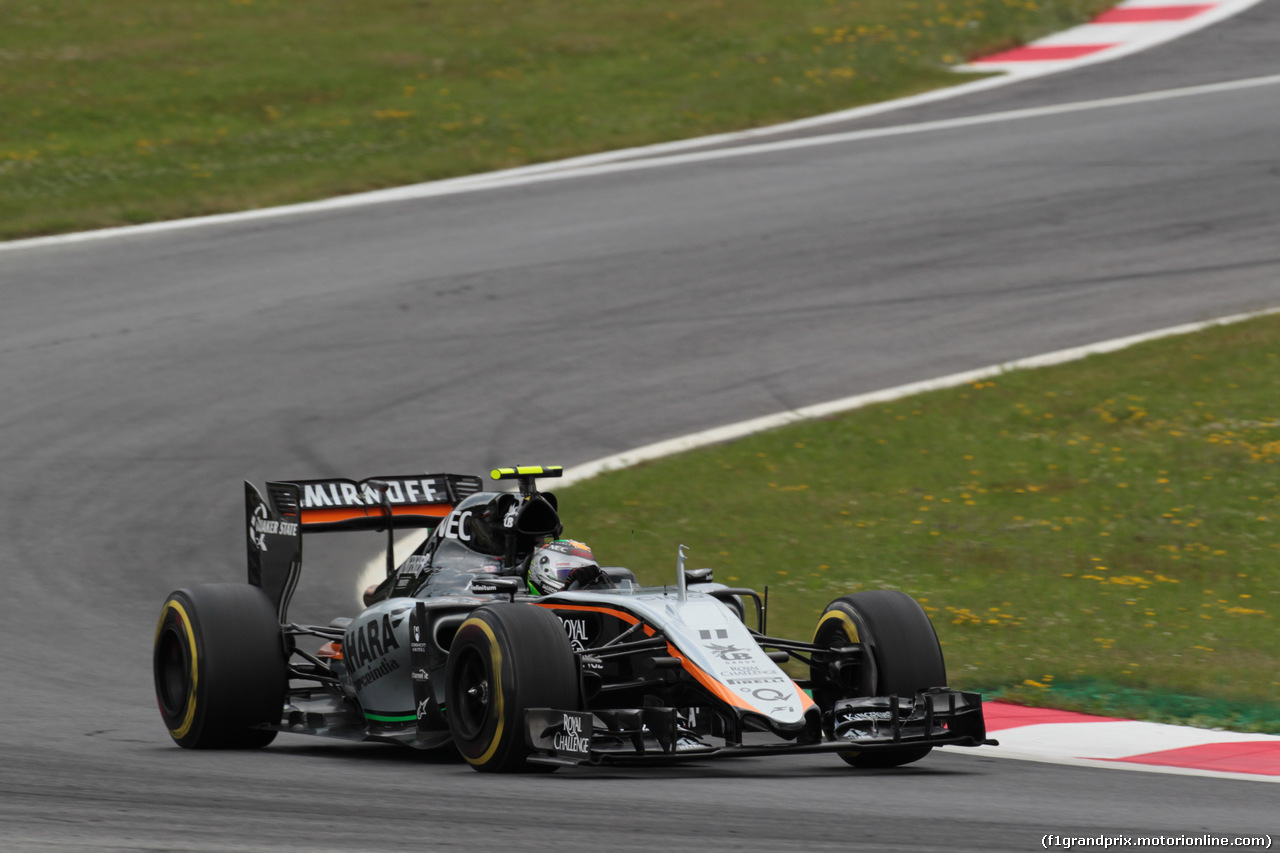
pixel 495 658
pixel 190 716
pixel 850 629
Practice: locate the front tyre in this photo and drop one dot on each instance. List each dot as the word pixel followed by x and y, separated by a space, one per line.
pixel 902 657
pixel 504 659
pixel 219 667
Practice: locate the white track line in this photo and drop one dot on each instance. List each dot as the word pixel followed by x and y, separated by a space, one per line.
pixel 603 166
pixel 743 428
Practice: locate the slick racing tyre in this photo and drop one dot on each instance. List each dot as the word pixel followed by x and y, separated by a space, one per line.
pixel 219 666
pixel 505 659
pixel 903 656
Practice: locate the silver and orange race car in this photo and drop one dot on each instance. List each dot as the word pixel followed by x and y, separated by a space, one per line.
pixel 501 639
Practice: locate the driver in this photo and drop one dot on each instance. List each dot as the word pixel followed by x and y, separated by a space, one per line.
pixel 553 565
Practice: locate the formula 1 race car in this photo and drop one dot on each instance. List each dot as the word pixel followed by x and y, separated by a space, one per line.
pixel 514 646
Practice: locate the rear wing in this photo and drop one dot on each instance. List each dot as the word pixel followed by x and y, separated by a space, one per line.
pixel 275 524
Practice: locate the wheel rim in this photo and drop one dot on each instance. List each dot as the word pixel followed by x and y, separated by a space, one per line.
pixel 474 693
pixel 174 676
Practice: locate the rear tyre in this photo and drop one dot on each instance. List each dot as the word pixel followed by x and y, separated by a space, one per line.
pixel 504 659
pixel 903 657
pixel 219 667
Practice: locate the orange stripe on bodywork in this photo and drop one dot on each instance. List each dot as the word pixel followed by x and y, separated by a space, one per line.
pixel 329 515
pixel 806 701
pixel 716 688
pixel 617 614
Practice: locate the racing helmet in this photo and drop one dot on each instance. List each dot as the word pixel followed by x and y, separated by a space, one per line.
pixel 553 562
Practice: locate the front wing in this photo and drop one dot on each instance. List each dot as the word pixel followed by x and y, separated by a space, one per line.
pixel 934 717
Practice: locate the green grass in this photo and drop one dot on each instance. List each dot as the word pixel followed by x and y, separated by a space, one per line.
pixel 137 110
pixel 1103 535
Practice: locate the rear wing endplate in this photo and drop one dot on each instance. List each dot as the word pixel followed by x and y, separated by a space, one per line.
pixel 275 524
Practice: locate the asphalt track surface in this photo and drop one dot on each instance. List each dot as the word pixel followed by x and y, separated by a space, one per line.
pixel 144 378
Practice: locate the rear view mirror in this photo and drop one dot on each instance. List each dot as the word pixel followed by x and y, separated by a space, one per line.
pixel 489 585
